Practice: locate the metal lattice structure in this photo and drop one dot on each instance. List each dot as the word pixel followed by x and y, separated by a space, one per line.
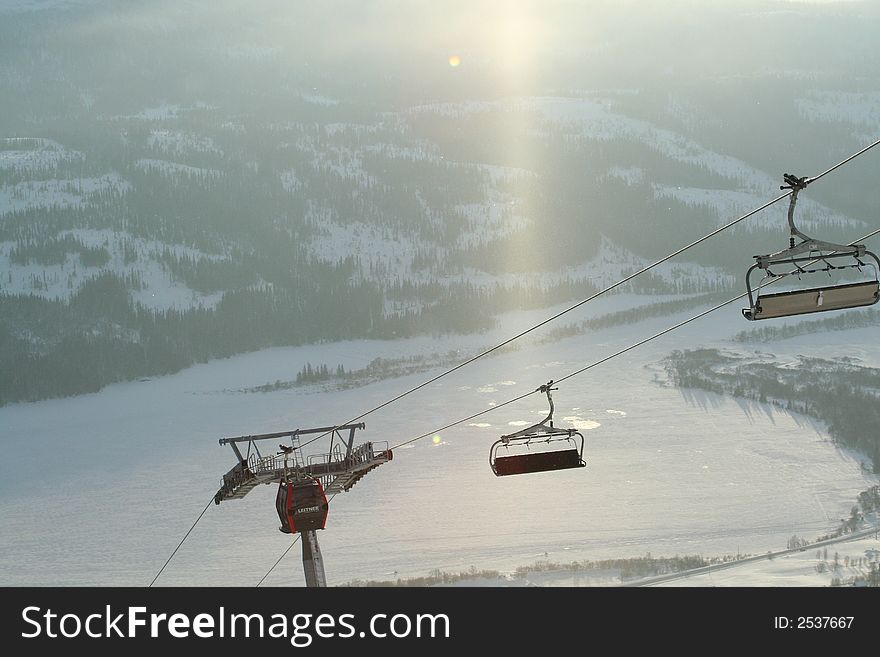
pixel 338 469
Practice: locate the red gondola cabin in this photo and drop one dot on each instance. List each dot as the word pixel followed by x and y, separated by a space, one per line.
pixel 301 505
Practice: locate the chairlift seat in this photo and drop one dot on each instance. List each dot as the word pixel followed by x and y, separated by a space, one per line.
pixel 562 459
pixel 801 302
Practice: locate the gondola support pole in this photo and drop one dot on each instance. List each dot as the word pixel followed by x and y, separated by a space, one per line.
pixel 313 562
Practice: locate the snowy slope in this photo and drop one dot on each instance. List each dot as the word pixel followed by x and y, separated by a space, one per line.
pixel 58 193
pixel 61 281
pixel 817 566
pixel 812 567
pixel 595 117
pixel 40 152
pixel 669 472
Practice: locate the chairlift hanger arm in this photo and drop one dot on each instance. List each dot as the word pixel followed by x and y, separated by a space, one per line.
pixel 807 244
pixel 795 185
pixel 545 426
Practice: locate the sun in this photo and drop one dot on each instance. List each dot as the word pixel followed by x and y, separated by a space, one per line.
pixel 454 60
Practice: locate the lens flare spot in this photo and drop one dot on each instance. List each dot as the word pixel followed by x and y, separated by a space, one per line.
pixel 436 439
pixel 454 60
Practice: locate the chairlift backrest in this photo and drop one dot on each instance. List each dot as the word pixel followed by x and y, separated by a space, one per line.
pixel 801 302
pixel 562 459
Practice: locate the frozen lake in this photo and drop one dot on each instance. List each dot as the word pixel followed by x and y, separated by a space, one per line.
pixel 99 489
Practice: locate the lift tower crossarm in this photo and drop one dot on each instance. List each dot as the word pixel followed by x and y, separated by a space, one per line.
pixel 292 434
pixel 340 468
pixel 251 440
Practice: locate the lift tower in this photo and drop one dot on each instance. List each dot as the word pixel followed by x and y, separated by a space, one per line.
pixel 303 480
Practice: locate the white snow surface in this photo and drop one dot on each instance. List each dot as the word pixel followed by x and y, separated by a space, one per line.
pixel 34 153
pixel 289 180
pixel 165 111
pixel 669 472
pixel 318 99
pixel 596 118
pixel 609 265
pixel 810 567
pixel 729 205
pixel 61 281
pixel 806 568
pixel 630 175
pixel 861 110
pixel 172 169
pixel 388 255
pixel 178 142
pixel 58 193
pixel 158 113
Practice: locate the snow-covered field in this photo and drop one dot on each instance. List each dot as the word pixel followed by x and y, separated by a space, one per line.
pixel 860 110
pixel 731 204
pixel 812 567
pixel 160 291
pixel 176 142
pixel 29 153
pixel 58 193
pixel 100 488
pixel 172 169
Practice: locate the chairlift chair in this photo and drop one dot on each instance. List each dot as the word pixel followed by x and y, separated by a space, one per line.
pixel 811 256
pixel 535 449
